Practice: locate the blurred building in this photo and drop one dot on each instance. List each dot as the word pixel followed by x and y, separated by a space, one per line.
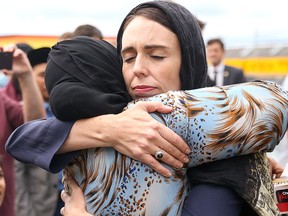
pixel 37 41
pixel 265 62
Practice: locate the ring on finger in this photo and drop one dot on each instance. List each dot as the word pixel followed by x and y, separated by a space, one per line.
pixel 159 154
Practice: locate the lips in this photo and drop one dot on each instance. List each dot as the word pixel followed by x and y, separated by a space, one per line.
pixel 143 90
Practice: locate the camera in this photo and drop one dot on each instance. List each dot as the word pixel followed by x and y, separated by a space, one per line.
pixel 6 60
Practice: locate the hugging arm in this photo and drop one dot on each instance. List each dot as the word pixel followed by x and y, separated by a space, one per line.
pixel 38 141
pixel 217 122
pixel 223 122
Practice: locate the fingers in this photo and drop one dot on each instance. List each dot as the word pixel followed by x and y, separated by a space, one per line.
pixel 64 196
pixel 62 210
pixel 275 168
pixel 142 135
pixel 278 171
pixel 157 166
pixel 73 186
pixel 155 107
pixel 173 144
pixel 9 48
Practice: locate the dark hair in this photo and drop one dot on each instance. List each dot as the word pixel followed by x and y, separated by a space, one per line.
pixel 88 30
pixel 201 24
pixel 24 47
pixel 216 40
pixel 180 21
pixel 66 35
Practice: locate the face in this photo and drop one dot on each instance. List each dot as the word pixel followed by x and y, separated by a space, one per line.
pixel 2 186
pixel 215 54
pixel 39 72
pixel 151 58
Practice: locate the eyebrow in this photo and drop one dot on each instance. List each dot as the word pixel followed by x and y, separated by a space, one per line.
pixel 147 47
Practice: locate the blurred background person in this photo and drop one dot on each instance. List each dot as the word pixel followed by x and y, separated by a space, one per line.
pixel 201 24
pixel 36 189
pixel 12 89
pixel 3 79
pixel 219 73
pixel 88 30
pixel 65 36
pixel 2 182
pixel 13 114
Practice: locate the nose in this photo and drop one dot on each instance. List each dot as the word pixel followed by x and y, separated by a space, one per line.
pixel 140 66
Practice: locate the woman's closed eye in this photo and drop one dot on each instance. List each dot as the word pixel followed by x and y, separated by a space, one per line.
pixel 156 57
pixel 129 59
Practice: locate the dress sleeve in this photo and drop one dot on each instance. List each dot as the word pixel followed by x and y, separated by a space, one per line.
pixel 38 141
pixel 222 122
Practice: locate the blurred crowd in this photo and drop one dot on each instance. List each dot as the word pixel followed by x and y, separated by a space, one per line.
pixel 31 190
pixel 25 189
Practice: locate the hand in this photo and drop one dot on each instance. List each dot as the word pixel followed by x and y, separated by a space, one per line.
pixel 74 205
pixel 275 168
pixel 21 65
pixel 138 135
pixel 134 133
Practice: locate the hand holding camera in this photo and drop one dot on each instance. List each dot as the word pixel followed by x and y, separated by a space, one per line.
pixel 6 60
pixel 14 61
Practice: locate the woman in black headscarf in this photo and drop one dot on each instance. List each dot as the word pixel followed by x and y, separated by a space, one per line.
pixel 80 88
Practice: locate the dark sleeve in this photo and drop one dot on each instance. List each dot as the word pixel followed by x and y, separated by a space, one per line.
pixel 72 99
pixel 38 141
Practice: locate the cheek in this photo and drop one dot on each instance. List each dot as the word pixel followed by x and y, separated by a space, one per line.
pixel 40 82
pixel 127 77
pixel 2 185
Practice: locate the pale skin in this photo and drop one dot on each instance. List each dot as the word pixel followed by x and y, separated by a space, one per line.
pixel 39 73
pixel 22 70
pixel 215 54
pixel 2 185
pixel 151 65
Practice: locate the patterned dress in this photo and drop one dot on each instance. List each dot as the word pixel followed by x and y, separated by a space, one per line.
pixel 217 123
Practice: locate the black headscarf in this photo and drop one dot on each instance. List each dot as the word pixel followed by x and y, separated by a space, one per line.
pixel 193 71
pixel 84 79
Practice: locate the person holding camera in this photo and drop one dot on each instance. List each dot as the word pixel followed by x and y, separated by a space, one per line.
pixel 13 114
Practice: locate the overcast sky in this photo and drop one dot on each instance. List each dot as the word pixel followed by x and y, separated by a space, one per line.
pixel 238 23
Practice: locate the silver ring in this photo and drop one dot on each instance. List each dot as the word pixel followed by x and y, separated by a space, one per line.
pixel 159 154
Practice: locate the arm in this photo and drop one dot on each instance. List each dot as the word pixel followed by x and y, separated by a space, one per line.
pixel 42 139
pixel 133 133
pixel 32 100
pixel 223 122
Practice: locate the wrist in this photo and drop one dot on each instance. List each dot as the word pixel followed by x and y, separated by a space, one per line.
pixel 26 76
pixel 103 130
